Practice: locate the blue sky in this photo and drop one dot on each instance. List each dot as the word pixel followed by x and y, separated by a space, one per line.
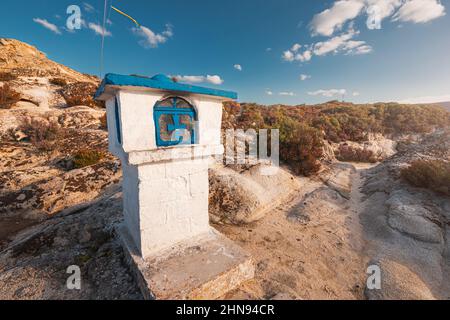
pixel 288 51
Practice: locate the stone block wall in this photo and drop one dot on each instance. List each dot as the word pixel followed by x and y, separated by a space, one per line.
pixel 166 203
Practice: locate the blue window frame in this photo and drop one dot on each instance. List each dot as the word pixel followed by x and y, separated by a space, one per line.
pixel 116 115
pixel 174 122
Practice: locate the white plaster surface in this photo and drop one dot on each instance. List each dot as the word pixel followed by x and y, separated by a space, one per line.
pixel 137 124
pixel 165 190
pixel 165 203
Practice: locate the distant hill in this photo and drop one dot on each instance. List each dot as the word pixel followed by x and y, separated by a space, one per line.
pixel 445 105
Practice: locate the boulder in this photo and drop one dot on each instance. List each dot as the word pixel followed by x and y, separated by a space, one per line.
pixel 338 178
pixel 399 283
pixel 245 196
pixel 412 220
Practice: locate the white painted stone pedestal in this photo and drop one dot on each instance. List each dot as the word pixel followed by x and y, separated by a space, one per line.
pixel 172 249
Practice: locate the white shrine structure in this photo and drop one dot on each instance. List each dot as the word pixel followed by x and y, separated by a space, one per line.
pixel 166 135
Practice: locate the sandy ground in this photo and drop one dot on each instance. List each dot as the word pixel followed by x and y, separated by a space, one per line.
pixel 322 258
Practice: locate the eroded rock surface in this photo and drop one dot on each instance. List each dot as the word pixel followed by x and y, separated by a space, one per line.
pixel 398 282
pixel 242 196
pixel 406 227
pixel 34 265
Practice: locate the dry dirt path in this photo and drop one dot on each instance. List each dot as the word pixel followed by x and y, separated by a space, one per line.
pixel 310 247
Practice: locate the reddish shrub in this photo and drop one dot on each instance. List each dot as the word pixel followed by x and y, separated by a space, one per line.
pixel 348 153
pixel 81 94
pixel 429 174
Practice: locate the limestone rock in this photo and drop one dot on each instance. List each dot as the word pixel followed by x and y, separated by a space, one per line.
pixel 338 178
pixel 243 197
pixel 447 243
pixel 398 282
pixel 321 202
pixel 413 220
pixel 34 264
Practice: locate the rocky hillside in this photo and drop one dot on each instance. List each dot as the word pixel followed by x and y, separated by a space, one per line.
pixel 60 194
pixel 53 154
pixel 23 60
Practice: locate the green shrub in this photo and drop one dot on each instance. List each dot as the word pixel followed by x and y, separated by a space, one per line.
pixel 429 174
pixel 44 135
pixel 87 157
pixel 8 97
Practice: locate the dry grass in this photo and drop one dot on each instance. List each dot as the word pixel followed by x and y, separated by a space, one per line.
pixel 81 94
pixel 44 135
pixel 429 174
pixel 104 122
pixel 8 97
pixel 87 157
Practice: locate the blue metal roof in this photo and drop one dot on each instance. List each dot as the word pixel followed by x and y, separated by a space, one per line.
pixel 161 82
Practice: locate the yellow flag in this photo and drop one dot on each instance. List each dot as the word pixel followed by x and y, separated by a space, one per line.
pixel 126 15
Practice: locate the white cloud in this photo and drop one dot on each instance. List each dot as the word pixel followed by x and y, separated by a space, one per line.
pixel 426 99
pixel 88 7
pixel 296 47
pixel 238 67
pixel 338 44
pixel 304 77
pixel 152 39
pixel 342 43
pixel 213 79
pixel 288 56
pixel 364 49
pixel 328 93
pixel 303 57
pixel 169 31
pixel 47 25
pixel 333 19
pixel 420 11
pixel 268 49
pixel 329 21
pixel 98 29
pixel 269 92
pixel 355 94
pixel 287 93
pixel 378 10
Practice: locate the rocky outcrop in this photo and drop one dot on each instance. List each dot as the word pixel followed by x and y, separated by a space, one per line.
pixel 241 197
pixel 338 177
pixel 413 219
pixel 407 226
pixel 377 148
pixel 398 282
pixel 34 265
pixel 24 60
pixel 321 202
